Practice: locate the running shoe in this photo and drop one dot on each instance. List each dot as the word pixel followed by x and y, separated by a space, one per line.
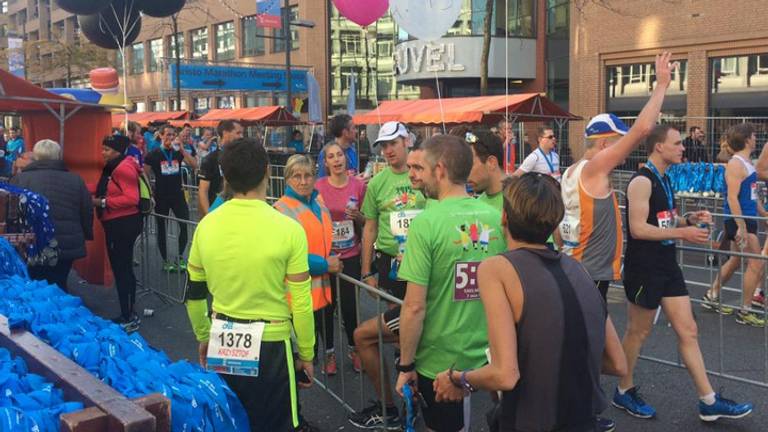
pixel 330 364
pixel 129 325
pixel 605 424
pixel 357 365
pixel 713 303
pixel 170 267
pixel 371 418
pixel 633 403
pixel 758 300
pixel 723 408
pixel 749 318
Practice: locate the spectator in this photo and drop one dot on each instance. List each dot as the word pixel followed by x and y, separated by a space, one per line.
pixel 4 172
pixel 117 203
pixel 134 149
pixel 510 146
pixel 210 178
pixel 343 130
pixel 207 144
pixel 152 139
pixel 14 148
pixel 549 383
pixel 71 208
pixel 544 159
pixel 297 142
pixel 695 149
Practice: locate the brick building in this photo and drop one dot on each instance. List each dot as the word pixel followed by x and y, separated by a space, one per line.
pixel 722 48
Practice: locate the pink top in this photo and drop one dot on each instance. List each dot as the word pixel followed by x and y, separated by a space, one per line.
pixel 346 242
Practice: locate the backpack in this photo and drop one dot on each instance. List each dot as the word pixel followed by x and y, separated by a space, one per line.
pixel 146 199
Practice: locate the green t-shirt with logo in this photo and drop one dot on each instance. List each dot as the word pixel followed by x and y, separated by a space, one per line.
pixel 445 245
pixel 392 201
pixel 496 200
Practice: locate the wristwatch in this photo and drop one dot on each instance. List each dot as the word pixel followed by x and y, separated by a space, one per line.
pixel 103 203
pixel 405 368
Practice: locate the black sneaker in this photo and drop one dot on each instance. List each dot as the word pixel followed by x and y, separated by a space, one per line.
pixel 605 424
pixel 129 325
pixel 371 418
pixel 305 426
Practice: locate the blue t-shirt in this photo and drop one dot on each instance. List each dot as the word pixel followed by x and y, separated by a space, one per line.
pixel 152 143
pixel 352 161
pixel 297 145
pixel 136 153
pixel 13 150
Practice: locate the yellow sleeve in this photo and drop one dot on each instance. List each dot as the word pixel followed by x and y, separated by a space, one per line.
pixel 195 262
pixel 197 310
pixel 303 317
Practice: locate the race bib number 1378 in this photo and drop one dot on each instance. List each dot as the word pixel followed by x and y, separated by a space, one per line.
pixel 235 348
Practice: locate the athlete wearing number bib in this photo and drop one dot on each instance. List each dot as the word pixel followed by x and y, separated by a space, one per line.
pixel 747 201
pixel 650 267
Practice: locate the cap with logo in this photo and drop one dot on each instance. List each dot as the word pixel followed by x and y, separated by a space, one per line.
pixel 390 131
pixel 605 125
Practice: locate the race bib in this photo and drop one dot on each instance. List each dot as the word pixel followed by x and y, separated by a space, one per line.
pixel 667 219
pixel 234 348
pixel 400 221
pixel 343 234
pixel 753 192
pixel 169 168
pixel 569 231
pixel 465 281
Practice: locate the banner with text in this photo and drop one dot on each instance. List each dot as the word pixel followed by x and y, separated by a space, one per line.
pixel 268 14
pixel 237 78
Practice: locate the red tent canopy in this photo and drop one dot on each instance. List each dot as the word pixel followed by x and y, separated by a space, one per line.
pixel 266 115
pixel 482 109
pixel 145 118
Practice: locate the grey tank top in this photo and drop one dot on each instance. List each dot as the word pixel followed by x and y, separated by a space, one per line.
pixel 560 344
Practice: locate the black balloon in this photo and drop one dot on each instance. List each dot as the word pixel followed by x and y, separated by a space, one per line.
pixel 160 8
pixel 105 29
pixel 83 7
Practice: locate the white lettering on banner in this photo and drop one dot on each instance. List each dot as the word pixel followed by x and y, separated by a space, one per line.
pixel 440 57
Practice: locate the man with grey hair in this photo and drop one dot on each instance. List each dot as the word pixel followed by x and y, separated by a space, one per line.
pixel 71 208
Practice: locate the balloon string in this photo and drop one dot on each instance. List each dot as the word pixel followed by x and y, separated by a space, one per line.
pixel 440 102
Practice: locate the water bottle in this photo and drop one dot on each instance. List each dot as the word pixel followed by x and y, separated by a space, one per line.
pixel 352 203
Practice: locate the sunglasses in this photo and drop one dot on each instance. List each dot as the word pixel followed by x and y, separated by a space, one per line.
pixel 549 137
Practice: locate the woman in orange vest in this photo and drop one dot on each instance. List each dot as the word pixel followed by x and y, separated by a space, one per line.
pixel 303 203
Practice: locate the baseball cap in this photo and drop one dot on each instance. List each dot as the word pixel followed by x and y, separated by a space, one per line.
pixel 390 131
pixel 605 125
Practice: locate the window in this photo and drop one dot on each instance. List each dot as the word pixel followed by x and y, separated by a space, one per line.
pixel 137 59
pixel 351 45
pixel 172 45
pixel 155 54
pixel 201 105
pixel 159 106
pixel 225 41
pixel 346 77
pixel 557 16
pixel 119 61
pixel 226 102
pixel 4 6
pixel 740 74
pixel 200 43
pixel 639 80
pixel 279 44
pixel 253 38
pixel 385 46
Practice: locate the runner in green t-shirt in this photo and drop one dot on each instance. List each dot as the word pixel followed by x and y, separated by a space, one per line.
pixel 487 174
pixel 442 321
pixel 390 205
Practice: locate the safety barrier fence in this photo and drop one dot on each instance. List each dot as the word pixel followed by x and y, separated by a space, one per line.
pixel 731 351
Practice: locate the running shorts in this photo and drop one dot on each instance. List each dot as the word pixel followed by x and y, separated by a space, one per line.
pixel 731 228
pixel 440 416
pixel 392 319
pixel 646 287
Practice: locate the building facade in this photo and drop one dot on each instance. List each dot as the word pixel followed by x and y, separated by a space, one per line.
pixel 722 48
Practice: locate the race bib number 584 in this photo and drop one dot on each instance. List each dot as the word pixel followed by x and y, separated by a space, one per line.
pixel 235 348
pixel 465 279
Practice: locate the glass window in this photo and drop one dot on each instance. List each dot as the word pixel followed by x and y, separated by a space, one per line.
pixel 225 41
pixel 279 44
pixel 226 102
pixel 557 16
pixel 253 38
pixel 159 106
pixel 200 43
pixel 172 45
pixel 520 19
pixel 201 104
pixel 4 6
pixel 639 80
pixel 155 54
pixel 137 59
pixel 740 74
pixel 351 45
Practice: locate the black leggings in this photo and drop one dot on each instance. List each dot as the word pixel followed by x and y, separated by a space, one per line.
pixel 163 206
pixel 121 234
pixel 324 316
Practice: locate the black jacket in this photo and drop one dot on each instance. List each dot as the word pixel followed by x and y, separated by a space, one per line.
pixel 70 201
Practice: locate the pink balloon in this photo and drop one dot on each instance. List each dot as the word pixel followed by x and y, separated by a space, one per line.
pixel 362 12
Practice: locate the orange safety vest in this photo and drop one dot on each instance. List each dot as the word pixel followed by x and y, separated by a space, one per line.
pixel 319 237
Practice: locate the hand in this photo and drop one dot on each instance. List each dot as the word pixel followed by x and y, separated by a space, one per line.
pixel 702 216
pixel 695 234
pixel 335 265
pixel 309 369
pixel 202 353
pixel 355 215
pixel 664 69
pixel 405 378
pixel 96 202
pixel 741 235
pixel 445 391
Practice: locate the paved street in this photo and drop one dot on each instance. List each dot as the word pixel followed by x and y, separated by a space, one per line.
pixel 668 388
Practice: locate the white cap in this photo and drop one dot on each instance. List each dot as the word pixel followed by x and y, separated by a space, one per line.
pixel 390 131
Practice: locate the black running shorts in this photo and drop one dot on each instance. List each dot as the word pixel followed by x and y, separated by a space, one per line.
pixel 392 320
pixel 440 416
pixel 731 228
pixel 646 287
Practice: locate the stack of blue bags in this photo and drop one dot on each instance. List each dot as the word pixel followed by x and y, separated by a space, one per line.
pixel 200 401
pixel 698 179
pixel 27 401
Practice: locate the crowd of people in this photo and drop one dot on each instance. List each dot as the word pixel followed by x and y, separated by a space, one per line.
pixel 481 275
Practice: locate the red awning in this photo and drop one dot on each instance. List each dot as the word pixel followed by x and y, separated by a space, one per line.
pixel 483 109
pixel 266 115
pixel 145 118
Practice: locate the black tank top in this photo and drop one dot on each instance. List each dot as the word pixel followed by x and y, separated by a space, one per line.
pixel 560 344
pixel 645 253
